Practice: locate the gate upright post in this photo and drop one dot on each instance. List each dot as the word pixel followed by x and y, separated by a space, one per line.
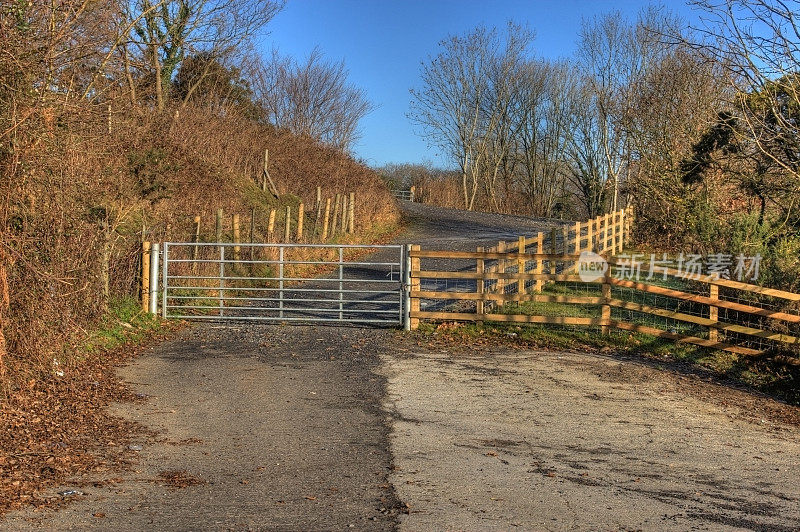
pixel 165 280
pixel 221 279
pixel 153 289
pixel 341 283
pixel 280 282
pixel 406 287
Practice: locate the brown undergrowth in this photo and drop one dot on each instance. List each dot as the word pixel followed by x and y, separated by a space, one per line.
pixel 56 427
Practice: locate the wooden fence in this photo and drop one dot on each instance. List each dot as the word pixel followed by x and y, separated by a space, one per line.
pixel 535 280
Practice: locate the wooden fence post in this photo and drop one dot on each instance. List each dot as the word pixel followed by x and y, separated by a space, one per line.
pixel 196 249
pixel 589 231
pixel 287 227
pixel 300 214
pixel 415 284
pixel 237 249
pixel 577 238
pixel 336 206
pixel 521 265
pixel 251 240
pixel 218 226
pixel 713 311
pixel 352 214
pixel 500 285
pixel 480 305
pixel 605 315
pixel 317 218
pixel 145 276
pixel 539 262
pixel 344 214
pixel 325 221
pixel 271 225
pixel 318 204
pixel 623 237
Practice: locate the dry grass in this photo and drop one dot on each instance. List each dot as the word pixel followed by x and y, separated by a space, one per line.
pixel 79 195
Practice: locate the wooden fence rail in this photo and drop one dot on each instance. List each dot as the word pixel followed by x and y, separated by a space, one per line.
pixel 509 283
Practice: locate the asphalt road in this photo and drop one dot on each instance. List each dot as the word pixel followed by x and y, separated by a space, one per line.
pixel 337 428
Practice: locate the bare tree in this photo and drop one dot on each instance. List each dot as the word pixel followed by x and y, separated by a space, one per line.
pixel 759 42
pixel 312 98
pixel 451 105
pixel 544 110
pixel 164 32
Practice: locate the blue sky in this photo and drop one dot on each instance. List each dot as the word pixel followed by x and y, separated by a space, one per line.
pixel 383 43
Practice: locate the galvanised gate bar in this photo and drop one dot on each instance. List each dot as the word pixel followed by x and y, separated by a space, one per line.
pixel 283 282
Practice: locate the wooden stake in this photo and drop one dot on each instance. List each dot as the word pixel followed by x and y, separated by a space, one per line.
pixel 287 228
pixel 300 214
pixel 325 221
pixel 415 285
pixel 577 238
pixel 271 225
pixel 196 249
pixel 145 276
pixel 480 305
pixel 218 226
pixel 252 231
pixel 343 224
pixel 713 312
pixel 605 312
pixel 237 249
pixel 539 263
pixel 266 179
pixel 318 205
pixel 337 205
pixel 352 217
pixel 521 265
pixel 500 286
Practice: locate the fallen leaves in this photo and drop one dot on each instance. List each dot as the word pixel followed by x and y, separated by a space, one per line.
pixel 57 428
pixel 179 478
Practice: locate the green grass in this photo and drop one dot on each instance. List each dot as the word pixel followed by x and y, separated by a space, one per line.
pixel 124 324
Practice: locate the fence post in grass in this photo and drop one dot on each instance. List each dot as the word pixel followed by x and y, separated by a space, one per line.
pixel 237 249
pixel 713 311
pixel 271 225
pixel 412 191
pixel 325 221
pixel 287 226
pixel 352 214
pixel 218 226
pixel 336 206
pixel 145 276
pixel 605 315
pixel 153 278
pixel 318 204
pixel 300 214
pixel 318 218
pixel 539 262
pixel 196 249
pixel 344 214
pixel 521 265
pixel 415 285
pixel 500 286
pixel 480 307
pixel 252 232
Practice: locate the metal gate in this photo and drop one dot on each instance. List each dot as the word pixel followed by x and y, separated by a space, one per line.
pixel 283 282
